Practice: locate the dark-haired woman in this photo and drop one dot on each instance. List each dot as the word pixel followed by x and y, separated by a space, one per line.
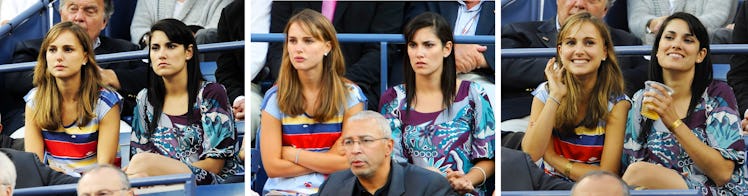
pixel 696 143
pixel 440 122
pixel 182 123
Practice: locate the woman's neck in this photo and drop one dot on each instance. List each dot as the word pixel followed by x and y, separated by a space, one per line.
pixel 176 84
pixel 587 83
pixel 311 80
pixel 680 82
pixel 428 83
pixel 69 88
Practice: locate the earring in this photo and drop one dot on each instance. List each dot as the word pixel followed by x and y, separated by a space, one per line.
pixel 325 53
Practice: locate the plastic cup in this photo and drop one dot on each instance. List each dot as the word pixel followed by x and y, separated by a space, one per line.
pixel 646 112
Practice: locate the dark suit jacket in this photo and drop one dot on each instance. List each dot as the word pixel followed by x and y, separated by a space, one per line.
pixel 519 173
pixel 33 173
pixel 738 74
pixel 448 10
pixel 230 64
pixel 362 59
pixel 520 76
pixel 131 75
pixel 406 179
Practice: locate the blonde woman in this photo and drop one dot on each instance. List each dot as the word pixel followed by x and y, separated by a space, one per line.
pixel 577 118
pixel 72 118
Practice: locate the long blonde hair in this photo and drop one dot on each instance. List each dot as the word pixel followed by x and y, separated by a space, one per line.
pixel 47 111
pixel 333 94
pixel 609 80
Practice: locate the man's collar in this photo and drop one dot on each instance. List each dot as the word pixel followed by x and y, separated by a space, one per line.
pixel 462 2
pixel 558 24
pixel 97 43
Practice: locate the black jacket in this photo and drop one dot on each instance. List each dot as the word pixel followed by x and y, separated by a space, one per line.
pixel 33 173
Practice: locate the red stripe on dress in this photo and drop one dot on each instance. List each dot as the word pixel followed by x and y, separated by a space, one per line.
pixel 312 140
pixel 588 154
pixel 71 150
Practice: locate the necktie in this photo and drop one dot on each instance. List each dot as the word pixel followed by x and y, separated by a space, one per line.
pixel 328 8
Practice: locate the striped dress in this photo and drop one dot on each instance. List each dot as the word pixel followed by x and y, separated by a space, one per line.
pixel 73 147
pixel 584 145
pixel 304 132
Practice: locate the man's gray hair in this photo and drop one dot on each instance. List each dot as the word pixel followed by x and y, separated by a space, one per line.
pixel 7 171
pixel 122 176
pixel 383 124
pixel 601 173
pixel 108 8
pixel 610 4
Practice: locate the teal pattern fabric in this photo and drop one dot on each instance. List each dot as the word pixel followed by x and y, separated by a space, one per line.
pixel 213 135
pixel 448 139
pixel 714 121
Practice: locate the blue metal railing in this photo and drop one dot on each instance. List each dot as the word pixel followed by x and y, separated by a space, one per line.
pixel 24 16
pixel 125 56
pixel 621 50
pixel 187 179
pixel 383 40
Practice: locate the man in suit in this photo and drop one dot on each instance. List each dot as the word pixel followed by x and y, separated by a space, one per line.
pixel 104 180
pixel 7 176
pixel 600 182
pixel 362 59
pixel 92 15
pixel 520 76
pixel 525 175
pixel 35 173
pixel 368 144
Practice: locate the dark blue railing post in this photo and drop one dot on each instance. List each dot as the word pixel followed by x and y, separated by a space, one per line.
pixel 382 69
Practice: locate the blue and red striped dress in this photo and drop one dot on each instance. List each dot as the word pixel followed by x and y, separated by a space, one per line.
pixel 73 147
pixel 304 132
pixel 584 145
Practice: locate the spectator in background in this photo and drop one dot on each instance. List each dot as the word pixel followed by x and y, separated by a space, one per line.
pixel 578 116
pixel 520 173
pixel 9 9
pixel 695 143
pixel 7 176
pixel 473 17
pixel 520 76
pixel 738 74
pixel 73 119
pixel 600 183
pixel 362 60
pixel 182 123
pixel 368 144
pixel 440 122
pixel 646 16
pixel 302 115
pixel 92 16
pixel 203 13
pixel 230 64
pixel 104 180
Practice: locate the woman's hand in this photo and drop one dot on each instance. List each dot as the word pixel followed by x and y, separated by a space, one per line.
pixel 288 153
pixel 459 182
pixel 661 102
pixel 146 164
pixel 554 73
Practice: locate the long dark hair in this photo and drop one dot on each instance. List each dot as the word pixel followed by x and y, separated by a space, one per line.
pixel 178 33
pixel 449 74
pixel 702 75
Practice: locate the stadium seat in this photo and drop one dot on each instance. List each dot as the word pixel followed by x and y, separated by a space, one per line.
pixel 720 71
pixel 208 69
pixel 35 27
